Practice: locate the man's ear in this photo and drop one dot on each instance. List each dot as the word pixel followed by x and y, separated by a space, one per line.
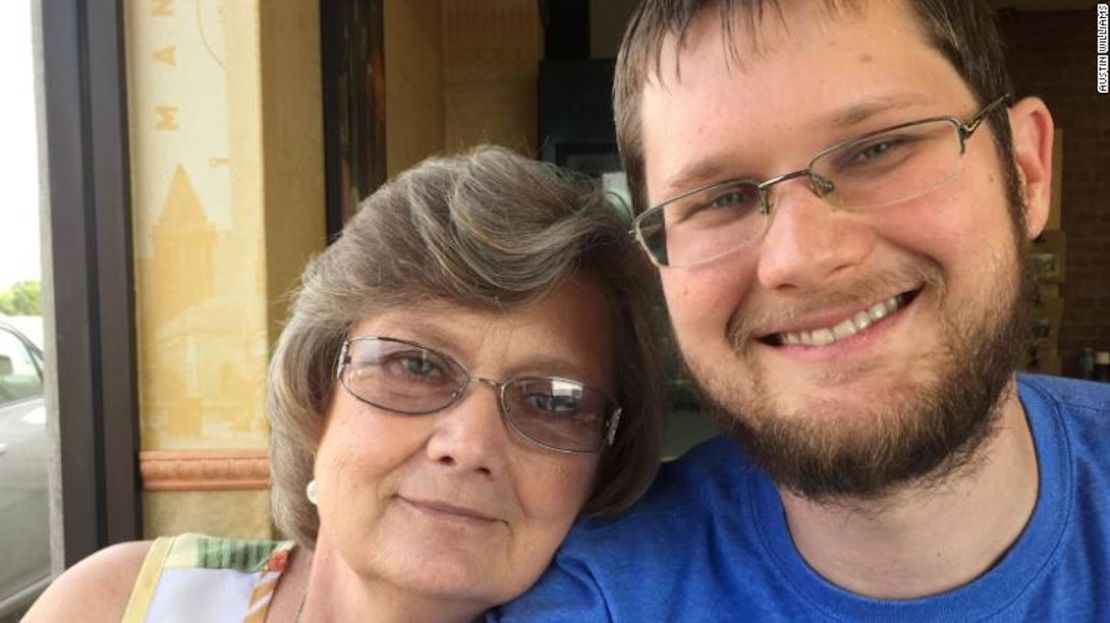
pixel 1032 131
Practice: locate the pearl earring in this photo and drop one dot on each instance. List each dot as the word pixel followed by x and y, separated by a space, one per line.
pixel 310 491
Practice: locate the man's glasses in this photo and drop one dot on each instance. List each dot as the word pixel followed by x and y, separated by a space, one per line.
pixel 404 377
pixel 875 170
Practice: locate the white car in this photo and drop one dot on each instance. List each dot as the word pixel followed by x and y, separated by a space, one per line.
pixel 24 507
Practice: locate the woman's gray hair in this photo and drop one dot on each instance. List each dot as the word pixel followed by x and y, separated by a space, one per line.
pixel 487 230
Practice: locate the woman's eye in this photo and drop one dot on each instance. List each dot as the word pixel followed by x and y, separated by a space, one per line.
pixel 550 403
pixel 419 367
pixel 413 366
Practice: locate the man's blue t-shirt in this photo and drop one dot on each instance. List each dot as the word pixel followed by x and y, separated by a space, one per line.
pixel 709 542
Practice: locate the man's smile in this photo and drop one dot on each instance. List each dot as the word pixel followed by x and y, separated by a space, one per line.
pixel 817 332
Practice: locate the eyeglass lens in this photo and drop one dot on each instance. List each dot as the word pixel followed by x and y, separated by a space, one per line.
pixel 410 379
pixel 881 170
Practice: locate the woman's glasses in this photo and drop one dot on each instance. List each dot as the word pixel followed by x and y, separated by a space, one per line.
pixel 404 377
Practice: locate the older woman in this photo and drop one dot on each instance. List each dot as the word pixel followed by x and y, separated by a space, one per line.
pixel 465 370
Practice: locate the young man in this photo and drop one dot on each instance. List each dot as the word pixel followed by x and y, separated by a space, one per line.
pixel 837 195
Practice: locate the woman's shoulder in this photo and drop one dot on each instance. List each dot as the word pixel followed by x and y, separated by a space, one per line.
pixel 103 586
pixel 95 589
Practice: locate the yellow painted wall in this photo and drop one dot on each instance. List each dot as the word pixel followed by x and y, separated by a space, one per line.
pixel 492 50
pixel 227 202
pixel 459 73
pixel 292 147
pixel 237 514
pixel 413 58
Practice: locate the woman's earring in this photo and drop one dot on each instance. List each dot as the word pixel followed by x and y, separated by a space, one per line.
pixel 310 491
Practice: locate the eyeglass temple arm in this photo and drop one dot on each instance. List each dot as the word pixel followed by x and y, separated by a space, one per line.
pixel 342 359
pixel 614 421
pixel 973 124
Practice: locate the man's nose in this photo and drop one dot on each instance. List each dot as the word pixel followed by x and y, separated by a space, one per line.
pixel 470 434
pixel 809 239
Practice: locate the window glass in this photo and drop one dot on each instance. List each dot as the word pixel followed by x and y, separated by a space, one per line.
pixel 24 450
pixel 20 376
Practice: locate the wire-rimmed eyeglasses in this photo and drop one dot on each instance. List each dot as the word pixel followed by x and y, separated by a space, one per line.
pixel 404 377
pixel 875 170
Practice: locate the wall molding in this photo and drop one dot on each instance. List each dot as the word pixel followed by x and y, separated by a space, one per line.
pixel 204 470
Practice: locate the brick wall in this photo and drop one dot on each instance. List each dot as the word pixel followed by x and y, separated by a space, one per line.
pixel 1052 55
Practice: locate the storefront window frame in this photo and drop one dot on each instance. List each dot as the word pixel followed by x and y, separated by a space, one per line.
pixel 90 316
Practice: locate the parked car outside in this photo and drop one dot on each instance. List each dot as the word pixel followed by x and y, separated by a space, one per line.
pixel 24 451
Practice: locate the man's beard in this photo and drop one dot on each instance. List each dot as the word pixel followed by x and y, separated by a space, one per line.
pixel 917 434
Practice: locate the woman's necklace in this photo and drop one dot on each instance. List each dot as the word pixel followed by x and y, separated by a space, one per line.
pixel 300 608
pixel 304 594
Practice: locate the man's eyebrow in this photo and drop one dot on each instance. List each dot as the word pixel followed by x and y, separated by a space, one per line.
pixel 713 168
pixel 705 171
pixel 866 109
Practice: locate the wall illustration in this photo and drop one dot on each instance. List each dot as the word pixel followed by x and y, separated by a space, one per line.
pixel 200 277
